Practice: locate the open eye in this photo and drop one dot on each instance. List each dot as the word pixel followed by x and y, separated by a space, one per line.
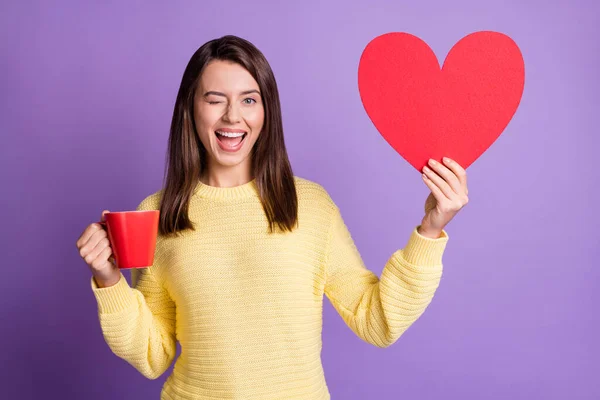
pixel 249 98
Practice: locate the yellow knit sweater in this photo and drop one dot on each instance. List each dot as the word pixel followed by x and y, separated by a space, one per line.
pixel 246 306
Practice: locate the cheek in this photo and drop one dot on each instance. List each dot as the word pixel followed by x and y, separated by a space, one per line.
pixel 256 119
pixel 203 133
pixel 205 121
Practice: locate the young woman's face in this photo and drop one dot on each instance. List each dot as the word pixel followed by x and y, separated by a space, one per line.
pixel 228 112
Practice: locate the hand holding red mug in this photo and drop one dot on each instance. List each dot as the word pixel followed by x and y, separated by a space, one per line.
pixel 94 247
pixel 129 236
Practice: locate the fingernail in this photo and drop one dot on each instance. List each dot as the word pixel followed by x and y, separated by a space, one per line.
pixel 426 169
pixel 447 160
pixel 432 161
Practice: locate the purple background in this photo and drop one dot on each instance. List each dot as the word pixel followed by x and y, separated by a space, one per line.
pixel 87 93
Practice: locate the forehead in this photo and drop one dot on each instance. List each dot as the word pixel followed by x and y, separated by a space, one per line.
pixel 226 76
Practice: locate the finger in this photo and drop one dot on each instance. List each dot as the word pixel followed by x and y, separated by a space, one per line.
pixel 446 174
pixel 87 234
pixel 100 246
pixel 440 183
pixel 435 190
pixel 90 230
pixel 102 259
pixel 93 241
pixel 459 171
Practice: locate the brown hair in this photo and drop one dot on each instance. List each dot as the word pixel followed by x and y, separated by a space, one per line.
pixel 186 155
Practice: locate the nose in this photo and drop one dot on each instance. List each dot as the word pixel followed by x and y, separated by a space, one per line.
pixel 232 114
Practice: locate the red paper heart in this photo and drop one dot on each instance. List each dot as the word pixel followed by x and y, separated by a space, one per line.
pixel 424 112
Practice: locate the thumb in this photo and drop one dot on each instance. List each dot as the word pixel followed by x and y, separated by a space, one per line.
pixel 103 218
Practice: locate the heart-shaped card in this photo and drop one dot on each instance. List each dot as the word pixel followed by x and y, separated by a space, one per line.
pixel 426 112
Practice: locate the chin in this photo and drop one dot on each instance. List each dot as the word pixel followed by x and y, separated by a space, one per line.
pixel 229 160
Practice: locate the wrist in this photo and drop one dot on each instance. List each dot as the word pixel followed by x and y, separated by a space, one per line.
pixel 429 233
pixel 107 281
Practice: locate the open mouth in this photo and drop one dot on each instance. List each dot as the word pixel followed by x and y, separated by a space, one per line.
pixel 231 140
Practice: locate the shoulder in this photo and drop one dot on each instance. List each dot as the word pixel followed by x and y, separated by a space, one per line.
pixel 151 202
pixel 313 193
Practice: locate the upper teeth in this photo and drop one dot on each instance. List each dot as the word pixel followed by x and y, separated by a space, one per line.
pixel 230 134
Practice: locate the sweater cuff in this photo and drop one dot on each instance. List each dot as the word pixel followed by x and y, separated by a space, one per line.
pixel 424 251
pixel 115 298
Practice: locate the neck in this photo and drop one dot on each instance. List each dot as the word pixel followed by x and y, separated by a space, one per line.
pixel 225 177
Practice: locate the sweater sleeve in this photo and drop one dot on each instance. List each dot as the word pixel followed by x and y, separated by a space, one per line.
pixel 379 310
pixel 138 321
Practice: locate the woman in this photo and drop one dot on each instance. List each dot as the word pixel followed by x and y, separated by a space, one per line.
pixel 246 250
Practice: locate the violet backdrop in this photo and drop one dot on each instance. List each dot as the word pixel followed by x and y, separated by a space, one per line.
pixel 87 95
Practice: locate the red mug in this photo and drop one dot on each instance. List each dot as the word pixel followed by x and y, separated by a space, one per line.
pixel 132 236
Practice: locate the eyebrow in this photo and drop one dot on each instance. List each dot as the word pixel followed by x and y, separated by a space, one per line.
pixel 223 94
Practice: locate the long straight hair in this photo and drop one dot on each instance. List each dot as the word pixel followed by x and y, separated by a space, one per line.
pixel 186 155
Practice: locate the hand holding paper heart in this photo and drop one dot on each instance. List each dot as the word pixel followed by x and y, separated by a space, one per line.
pixel 426 112
pixel 448 184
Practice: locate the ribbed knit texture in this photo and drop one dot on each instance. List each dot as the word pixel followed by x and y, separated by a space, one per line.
pixel 246 305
